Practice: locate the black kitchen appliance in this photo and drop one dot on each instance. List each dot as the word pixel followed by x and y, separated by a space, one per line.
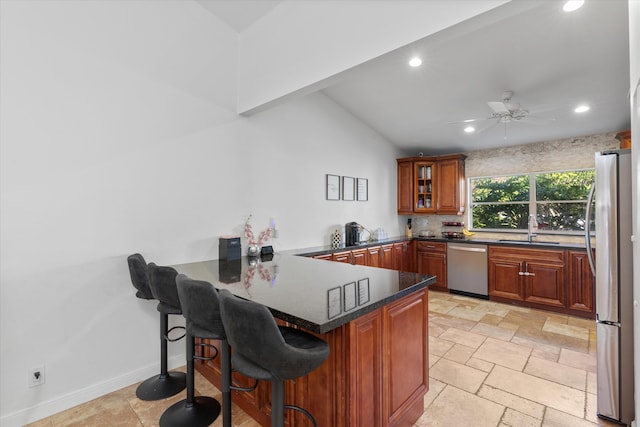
pixel 352 234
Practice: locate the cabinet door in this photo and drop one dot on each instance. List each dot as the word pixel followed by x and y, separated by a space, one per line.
pixel 359 257
pixel 364 404
pixel 424 187
pixel 386 256
pixel 402 257
pixel 505 280
pixel 342 257
pixel 373 256
pixel 328 257
pixel 581 287
pixel 544 283
pixel 433 263
pixel 450 186
pixel 406 372
pixel 405 187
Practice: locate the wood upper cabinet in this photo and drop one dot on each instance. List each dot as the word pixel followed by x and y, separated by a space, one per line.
pixel 536 276
pixel 451 186
pixel 405 186
pixel 431 185
pixel 431 258
pixel 581 287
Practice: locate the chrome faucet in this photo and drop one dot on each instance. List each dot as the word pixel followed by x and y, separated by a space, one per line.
pixel 532 228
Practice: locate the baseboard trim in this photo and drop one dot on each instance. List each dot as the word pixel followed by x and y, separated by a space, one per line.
pixel 75 398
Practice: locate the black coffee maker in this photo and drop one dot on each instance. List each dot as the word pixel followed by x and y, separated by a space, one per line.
pixel 352 234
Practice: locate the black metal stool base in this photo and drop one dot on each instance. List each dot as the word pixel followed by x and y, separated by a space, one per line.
pixel 162 386
pixel 202 412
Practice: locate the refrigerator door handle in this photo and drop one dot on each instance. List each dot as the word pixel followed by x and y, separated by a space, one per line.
pixel 587 227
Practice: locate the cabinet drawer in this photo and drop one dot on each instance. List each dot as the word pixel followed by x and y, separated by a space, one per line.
pixel 510 252
pixel 431 246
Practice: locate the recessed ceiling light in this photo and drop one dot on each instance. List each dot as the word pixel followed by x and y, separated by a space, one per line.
pixel 582 109
pixel 415 62
pixel 572 5
pixel 469 129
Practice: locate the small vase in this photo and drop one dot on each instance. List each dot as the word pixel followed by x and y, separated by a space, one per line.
pixel 253 251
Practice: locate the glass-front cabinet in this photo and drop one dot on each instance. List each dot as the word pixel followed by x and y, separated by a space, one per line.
pixel 424 187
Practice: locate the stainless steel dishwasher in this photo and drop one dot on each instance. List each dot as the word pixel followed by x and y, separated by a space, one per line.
pixel 467 269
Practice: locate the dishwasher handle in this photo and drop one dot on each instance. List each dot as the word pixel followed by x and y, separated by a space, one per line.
pixel 466 249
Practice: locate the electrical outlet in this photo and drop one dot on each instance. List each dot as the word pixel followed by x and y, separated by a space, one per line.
pixel 36 376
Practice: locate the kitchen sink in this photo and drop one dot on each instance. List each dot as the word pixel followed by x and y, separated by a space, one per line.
pixel 525 242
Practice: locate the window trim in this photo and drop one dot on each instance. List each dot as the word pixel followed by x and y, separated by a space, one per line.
pixel 532 202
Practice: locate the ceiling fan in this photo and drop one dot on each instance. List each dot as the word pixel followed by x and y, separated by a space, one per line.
pixel 505 111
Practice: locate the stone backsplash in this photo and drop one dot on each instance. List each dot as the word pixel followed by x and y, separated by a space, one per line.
pixel 546 156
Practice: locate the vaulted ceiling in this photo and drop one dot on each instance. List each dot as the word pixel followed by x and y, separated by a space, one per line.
pixel 551 60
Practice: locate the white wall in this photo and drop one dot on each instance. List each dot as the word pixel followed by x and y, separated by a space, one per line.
pixel 299 44
pixel 119 135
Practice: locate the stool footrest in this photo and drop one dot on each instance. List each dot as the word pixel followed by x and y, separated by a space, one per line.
pixel 205 345
pixel 238 388
pixel 166 337
pixel 303 411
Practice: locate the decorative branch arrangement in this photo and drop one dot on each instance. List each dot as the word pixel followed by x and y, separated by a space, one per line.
pixel 263 236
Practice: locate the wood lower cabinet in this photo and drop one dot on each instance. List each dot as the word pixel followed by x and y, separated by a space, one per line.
pixel 386 256
pixel 327 257
pixel 536 276
pixel 581 284
pixel 403 256
pixel 376 373
pixel 356 257
pixel 557 280
pixel 373 255
pixel 431 258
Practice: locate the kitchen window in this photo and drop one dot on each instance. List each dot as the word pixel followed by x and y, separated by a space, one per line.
pixel 557 200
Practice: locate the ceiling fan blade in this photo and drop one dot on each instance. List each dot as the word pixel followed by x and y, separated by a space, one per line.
pixel 498 107
pixel 469 121
pixel 537 120
pixel 486 127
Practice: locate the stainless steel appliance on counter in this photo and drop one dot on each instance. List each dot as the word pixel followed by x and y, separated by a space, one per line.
pixel 613 270
pixel 467 269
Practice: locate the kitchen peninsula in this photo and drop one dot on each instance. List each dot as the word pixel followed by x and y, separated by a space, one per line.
pixel 375 321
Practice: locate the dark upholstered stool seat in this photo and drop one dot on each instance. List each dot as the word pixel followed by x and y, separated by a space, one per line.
pixel 265 351
pixel 200 307
pixel 167 383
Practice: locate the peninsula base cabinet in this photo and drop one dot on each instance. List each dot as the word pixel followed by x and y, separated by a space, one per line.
pixel 376 374
pixel 556 280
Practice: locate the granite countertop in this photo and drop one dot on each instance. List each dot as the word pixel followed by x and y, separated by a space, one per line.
pixel 540 244
pixel 316 295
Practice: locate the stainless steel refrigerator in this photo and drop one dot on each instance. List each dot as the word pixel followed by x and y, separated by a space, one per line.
pixel 613 270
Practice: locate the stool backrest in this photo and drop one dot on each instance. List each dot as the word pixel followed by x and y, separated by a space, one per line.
pixel 139 276
pixel 162 281
pixel 251 330
pixel 199 301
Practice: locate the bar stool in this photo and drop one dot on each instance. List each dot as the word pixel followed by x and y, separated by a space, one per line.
pixel 200 307
pixel 165 384
pixel 265 351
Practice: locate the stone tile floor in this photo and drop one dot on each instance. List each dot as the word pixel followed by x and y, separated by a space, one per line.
pixel 491 365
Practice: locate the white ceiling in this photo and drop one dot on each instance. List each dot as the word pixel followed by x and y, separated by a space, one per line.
pixel 239 14
pixel 550 59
